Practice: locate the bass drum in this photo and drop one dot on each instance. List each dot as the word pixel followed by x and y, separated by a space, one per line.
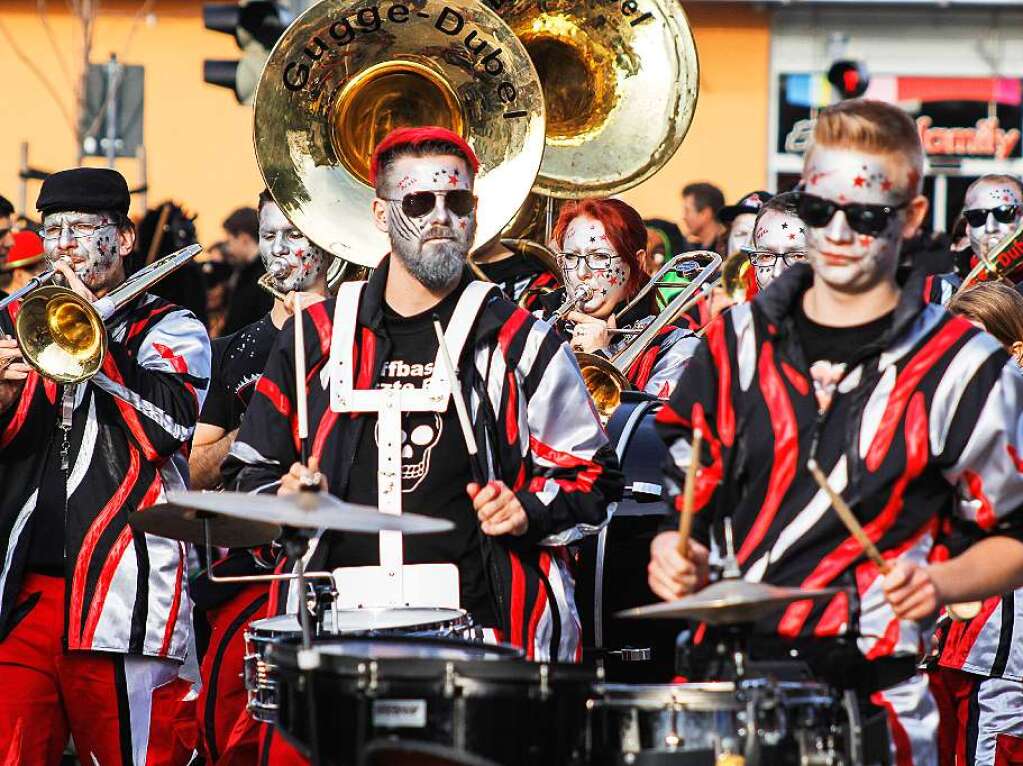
pixel 611 574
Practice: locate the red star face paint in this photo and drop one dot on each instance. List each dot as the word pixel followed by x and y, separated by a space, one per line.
pixel 844 259
pixel 289 257
pixel 88 241
pixel 992 195
pixel 590 259
pixel 778 233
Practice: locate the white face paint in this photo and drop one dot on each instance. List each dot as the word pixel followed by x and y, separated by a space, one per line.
pixel 779 233
pixel 293 262
pixel 88 241
pixel 586 236
pixel 741 232
pixel 847 260
pixel 433 247
pixel 988 195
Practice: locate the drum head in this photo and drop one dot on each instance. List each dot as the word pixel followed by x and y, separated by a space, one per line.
pixel 415 648
pixel 279 625
pixel 409 619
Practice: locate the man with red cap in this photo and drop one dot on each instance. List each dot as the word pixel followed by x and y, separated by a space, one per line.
pixel 545 473
pixel 24 260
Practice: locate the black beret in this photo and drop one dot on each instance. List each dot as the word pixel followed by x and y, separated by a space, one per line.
pixel 90 190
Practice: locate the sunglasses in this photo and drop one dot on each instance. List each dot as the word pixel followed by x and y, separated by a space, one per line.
pixel 817 212
pixel 417 204
pixel 1003 214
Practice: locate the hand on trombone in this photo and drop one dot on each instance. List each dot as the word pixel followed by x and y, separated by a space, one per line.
pixel 13 372
pixel 72 281
pixel 590 333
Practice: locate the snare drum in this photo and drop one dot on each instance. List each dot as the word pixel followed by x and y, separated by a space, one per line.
pixel 260 682
pixel 713 724
pixel 481 699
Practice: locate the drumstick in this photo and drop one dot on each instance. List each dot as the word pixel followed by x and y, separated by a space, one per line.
pixel 300 388
pixel 460 409
pixel 685 519
pixel 846 515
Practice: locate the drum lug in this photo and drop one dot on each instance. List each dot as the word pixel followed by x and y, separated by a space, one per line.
pixel 545 688
pixel 449 679
pixel 368 677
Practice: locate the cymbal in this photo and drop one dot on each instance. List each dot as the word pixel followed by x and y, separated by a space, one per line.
pixel 309 510
pixel 728 601
pixel 182 522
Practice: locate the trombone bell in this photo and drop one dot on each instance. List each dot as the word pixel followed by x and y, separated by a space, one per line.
pixel 61 335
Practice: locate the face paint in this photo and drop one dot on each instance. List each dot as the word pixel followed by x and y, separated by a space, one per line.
pixel 288 256
pixel 780 233
pixel 433 247
pixel 88 241
pixel 846 260
pixel 741 232
pixel 586 237
pixel 987 195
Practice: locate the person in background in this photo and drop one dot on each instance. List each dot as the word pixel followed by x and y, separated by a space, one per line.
pixel 779 241
pixel 993 211
pixel 6 226
pixel 25 259
pixel 217 273
pixel 163 230
pixel 978 689
pixel 739 219
pixel 700 205
pixel 247 301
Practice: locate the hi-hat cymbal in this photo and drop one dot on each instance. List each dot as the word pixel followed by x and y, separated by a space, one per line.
pixel 727 602
pixel 185 523
pixel 309 510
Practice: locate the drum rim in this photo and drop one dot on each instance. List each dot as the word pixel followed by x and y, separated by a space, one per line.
pixel 257 631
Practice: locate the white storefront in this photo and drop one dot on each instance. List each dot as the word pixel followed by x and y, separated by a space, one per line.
pixel 957 68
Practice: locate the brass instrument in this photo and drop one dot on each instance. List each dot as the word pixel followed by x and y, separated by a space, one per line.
pixel 266 281
pixel 606 378
pixel 63 336
pixel 1003 260
pixel 347 72
pixel 37 281
pixel 581 295
pixel 620 82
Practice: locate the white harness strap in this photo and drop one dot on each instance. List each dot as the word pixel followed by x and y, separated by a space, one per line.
pixel 391 403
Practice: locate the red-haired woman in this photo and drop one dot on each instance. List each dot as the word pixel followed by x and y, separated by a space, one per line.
pixel 601 243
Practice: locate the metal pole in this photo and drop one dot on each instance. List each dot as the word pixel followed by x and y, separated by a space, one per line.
pixel 113 80
pixel 23 175
pixel 143 178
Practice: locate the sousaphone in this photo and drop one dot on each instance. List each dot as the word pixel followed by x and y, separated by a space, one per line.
pixel 347 72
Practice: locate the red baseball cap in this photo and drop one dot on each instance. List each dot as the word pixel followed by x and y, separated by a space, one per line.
pixel 26 250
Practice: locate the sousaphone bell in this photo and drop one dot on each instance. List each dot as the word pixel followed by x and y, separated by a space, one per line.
pixel 347 72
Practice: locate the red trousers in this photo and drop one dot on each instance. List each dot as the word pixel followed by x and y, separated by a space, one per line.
pixel 981 719
pixel 118 709
pixel 229 735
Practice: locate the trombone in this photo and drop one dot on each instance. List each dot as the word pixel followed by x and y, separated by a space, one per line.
pixel 606 378
pixel 62 335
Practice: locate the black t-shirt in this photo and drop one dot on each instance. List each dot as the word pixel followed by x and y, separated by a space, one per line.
pixel 434 465
pixel 829 349
pixel 512 274
pixel 248 301
pixel 238 361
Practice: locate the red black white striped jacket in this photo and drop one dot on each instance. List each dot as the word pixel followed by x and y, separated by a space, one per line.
pixel 126 590
pixel 924 428
pixel 531 412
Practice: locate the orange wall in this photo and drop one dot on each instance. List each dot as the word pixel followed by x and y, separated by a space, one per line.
pixel 199 139
pixel 727 141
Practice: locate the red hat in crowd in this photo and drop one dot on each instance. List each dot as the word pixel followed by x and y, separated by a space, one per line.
pixel 26 250
pixel 417 137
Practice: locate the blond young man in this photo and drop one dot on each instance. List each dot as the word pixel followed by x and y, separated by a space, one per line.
pixel 914 415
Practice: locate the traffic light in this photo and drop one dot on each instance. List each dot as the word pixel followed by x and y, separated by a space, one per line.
pixel 256 25
pixel 849 78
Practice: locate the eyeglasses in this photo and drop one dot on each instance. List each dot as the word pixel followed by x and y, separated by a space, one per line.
pixel 1003 214
pixel 417 204
pixel 594 261
pixel 767 258
pixel 816 212
pixel 78 230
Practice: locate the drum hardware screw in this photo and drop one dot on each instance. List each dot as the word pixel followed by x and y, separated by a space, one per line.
pixel 545 689
pixel 449 679
pixel 373 677
pixel 361 669
pixel 630 758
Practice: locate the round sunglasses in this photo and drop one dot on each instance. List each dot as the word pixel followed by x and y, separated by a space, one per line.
pixel 977 217
pixel 817 212
pixel 417 204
